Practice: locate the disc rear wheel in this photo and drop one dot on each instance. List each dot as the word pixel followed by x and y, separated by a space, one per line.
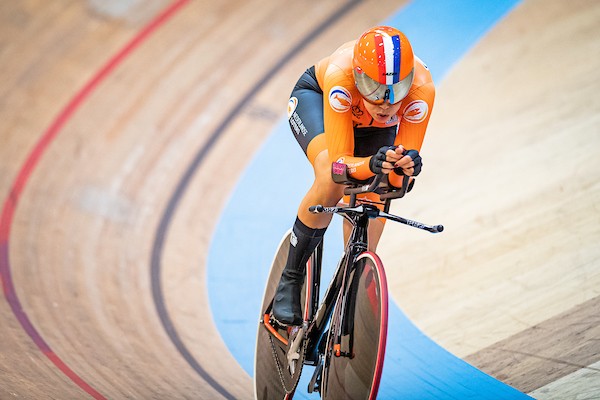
pixel 275 377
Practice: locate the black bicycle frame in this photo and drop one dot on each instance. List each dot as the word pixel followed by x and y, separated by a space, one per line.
pixel 357 244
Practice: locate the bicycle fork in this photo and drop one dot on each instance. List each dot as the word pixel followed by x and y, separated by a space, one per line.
pixel 359 244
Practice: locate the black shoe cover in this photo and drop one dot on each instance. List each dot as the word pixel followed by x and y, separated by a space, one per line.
pixel 286 304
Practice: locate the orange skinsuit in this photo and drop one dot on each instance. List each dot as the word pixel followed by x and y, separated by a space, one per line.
pixel 344 110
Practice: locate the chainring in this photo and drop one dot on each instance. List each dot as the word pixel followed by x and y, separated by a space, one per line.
pixel 288 380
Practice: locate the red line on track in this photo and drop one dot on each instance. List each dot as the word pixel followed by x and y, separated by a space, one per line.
pixel 11 202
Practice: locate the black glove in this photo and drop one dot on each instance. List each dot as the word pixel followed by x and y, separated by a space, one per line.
pixel 414 154
pixel 376 162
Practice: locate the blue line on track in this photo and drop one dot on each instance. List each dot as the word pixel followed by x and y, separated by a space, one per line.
pixel 263 207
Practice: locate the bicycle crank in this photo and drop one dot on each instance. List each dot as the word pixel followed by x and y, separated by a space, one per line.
pixel 296 336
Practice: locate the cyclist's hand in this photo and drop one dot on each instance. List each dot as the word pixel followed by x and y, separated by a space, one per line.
pixel 383 161
pixel 410 164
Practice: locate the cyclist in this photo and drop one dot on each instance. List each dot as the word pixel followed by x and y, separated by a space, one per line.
pixel 367 105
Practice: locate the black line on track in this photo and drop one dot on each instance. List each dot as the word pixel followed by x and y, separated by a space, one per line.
pixel 159 239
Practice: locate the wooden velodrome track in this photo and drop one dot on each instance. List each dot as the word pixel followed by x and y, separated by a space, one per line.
pixel 102 115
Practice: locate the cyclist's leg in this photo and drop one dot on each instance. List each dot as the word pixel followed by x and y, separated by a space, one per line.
pixel 323 191
pixel 306 121
pixel 308 232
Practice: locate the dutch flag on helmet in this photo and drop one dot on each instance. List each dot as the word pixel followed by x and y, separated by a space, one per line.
pixel 388 53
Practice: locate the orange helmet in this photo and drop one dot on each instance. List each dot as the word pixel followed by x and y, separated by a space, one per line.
pixel 383 65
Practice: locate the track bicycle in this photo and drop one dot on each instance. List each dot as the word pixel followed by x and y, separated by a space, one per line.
pixel 344 336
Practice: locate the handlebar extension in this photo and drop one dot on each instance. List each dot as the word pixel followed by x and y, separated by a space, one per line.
pixel 373 212
pixel 316 209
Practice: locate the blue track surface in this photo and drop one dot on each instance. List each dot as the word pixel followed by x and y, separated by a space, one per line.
pixel 264 204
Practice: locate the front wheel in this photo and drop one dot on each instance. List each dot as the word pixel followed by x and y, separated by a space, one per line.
pixel 357 336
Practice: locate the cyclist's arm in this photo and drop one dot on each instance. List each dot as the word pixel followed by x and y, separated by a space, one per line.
pixel 339 131
pixel 413 122
pixel 415 117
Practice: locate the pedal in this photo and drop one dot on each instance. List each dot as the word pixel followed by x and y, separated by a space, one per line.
pixel 315 382
pixel 295 338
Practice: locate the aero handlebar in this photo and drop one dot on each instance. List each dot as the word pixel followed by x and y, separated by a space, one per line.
pixel 340 175
pixel 374 212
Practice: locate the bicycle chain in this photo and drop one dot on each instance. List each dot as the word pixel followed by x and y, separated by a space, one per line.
pixel 280 369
